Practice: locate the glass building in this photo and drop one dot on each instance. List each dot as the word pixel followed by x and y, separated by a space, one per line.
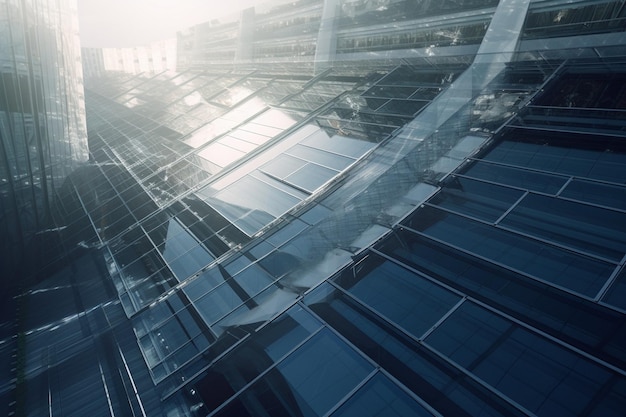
pixel 42 125
pixel 432 227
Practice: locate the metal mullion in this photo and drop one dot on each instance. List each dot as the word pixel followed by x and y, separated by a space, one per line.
pixel 520 233
pixel 511 208
pixel 443 318
pixel 130 378
pixel 410 393
pixel 427 347
pixel 512 187
pixel 498 264
pixel 106 389
pixel 547 129
pixel 568 180
pixel 223 354
pixel 469 374
pixel 609 282
pixel 353 391
pixel 560 246
pixel 549 337
pixel 265 372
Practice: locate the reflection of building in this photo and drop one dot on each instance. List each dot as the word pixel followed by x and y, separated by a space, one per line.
pixel 152 59
pixel 42 121
pixel 330 32
pixel 436 233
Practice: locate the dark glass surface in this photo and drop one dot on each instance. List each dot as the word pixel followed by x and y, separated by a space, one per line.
pixel 540 375
pixel 534 181
pixel 617 292
pixel 582 155
pixel 608 195
pixel 586 228
pixel 476 199
pixel 309 382
pixel 409 300
pixel 254 356
pixel 380 397
pixel 583 275
pixel 445 388
pixel 581 323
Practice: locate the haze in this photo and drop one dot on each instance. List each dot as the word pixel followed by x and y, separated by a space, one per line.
pixel 124 23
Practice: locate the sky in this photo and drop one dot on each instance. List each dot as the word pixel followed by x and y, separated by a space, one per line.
pixel 120 23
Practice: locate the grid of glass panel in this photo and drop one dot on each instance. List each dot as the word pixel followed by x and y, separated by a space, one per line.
pixel 480 301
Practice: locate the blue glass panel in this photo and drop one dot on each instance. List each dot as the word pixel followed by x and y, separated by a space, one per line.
pixel 477 199
pixel 403 107
pixel 516 177
pixel 216 304
pixel 253 201
pixel 308 383
pixel 320 157
pixel 342 145
pixel 321 372
pixel 282 165
pixel 380 397
pixel 254 356
pixel 617 293
pixel 561 267
pixel 203 283
pixel 190 262
pixel 559 155
pixel 310 177
pixel 586 228
pixel 411 301
pixel 584 324
pixel 439 384
pixel 253 279
pixel 542 376
pixel 597 193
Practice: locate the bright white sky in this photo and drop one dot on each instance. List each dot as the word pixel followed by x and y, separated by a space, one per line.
pixel 119 23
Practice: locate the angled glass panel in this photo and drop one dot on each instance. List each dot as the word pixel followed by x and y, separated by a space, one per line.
pixel 217 303
pixel 254 356
pixel 542 376
pixel 220 154
pixel 309 382
pixel 282 166
pixel 380 397
pixel 320 157
pixel 414 303
pixel 526 179
pixel 586 325
pixel 251 203
pixel 441 385
pixel 477 199
pixel 558 266
pixel 608 195
pixel 310 177
pixel 617 292
pixel 586 228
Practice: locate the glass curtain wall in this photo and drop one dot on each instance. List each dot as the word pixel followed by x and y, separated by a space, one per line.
pixel 42 120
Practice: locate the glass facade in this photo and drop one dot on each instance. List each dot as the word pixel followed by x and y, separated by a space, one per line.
pixel 417 236
pixel 42 122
